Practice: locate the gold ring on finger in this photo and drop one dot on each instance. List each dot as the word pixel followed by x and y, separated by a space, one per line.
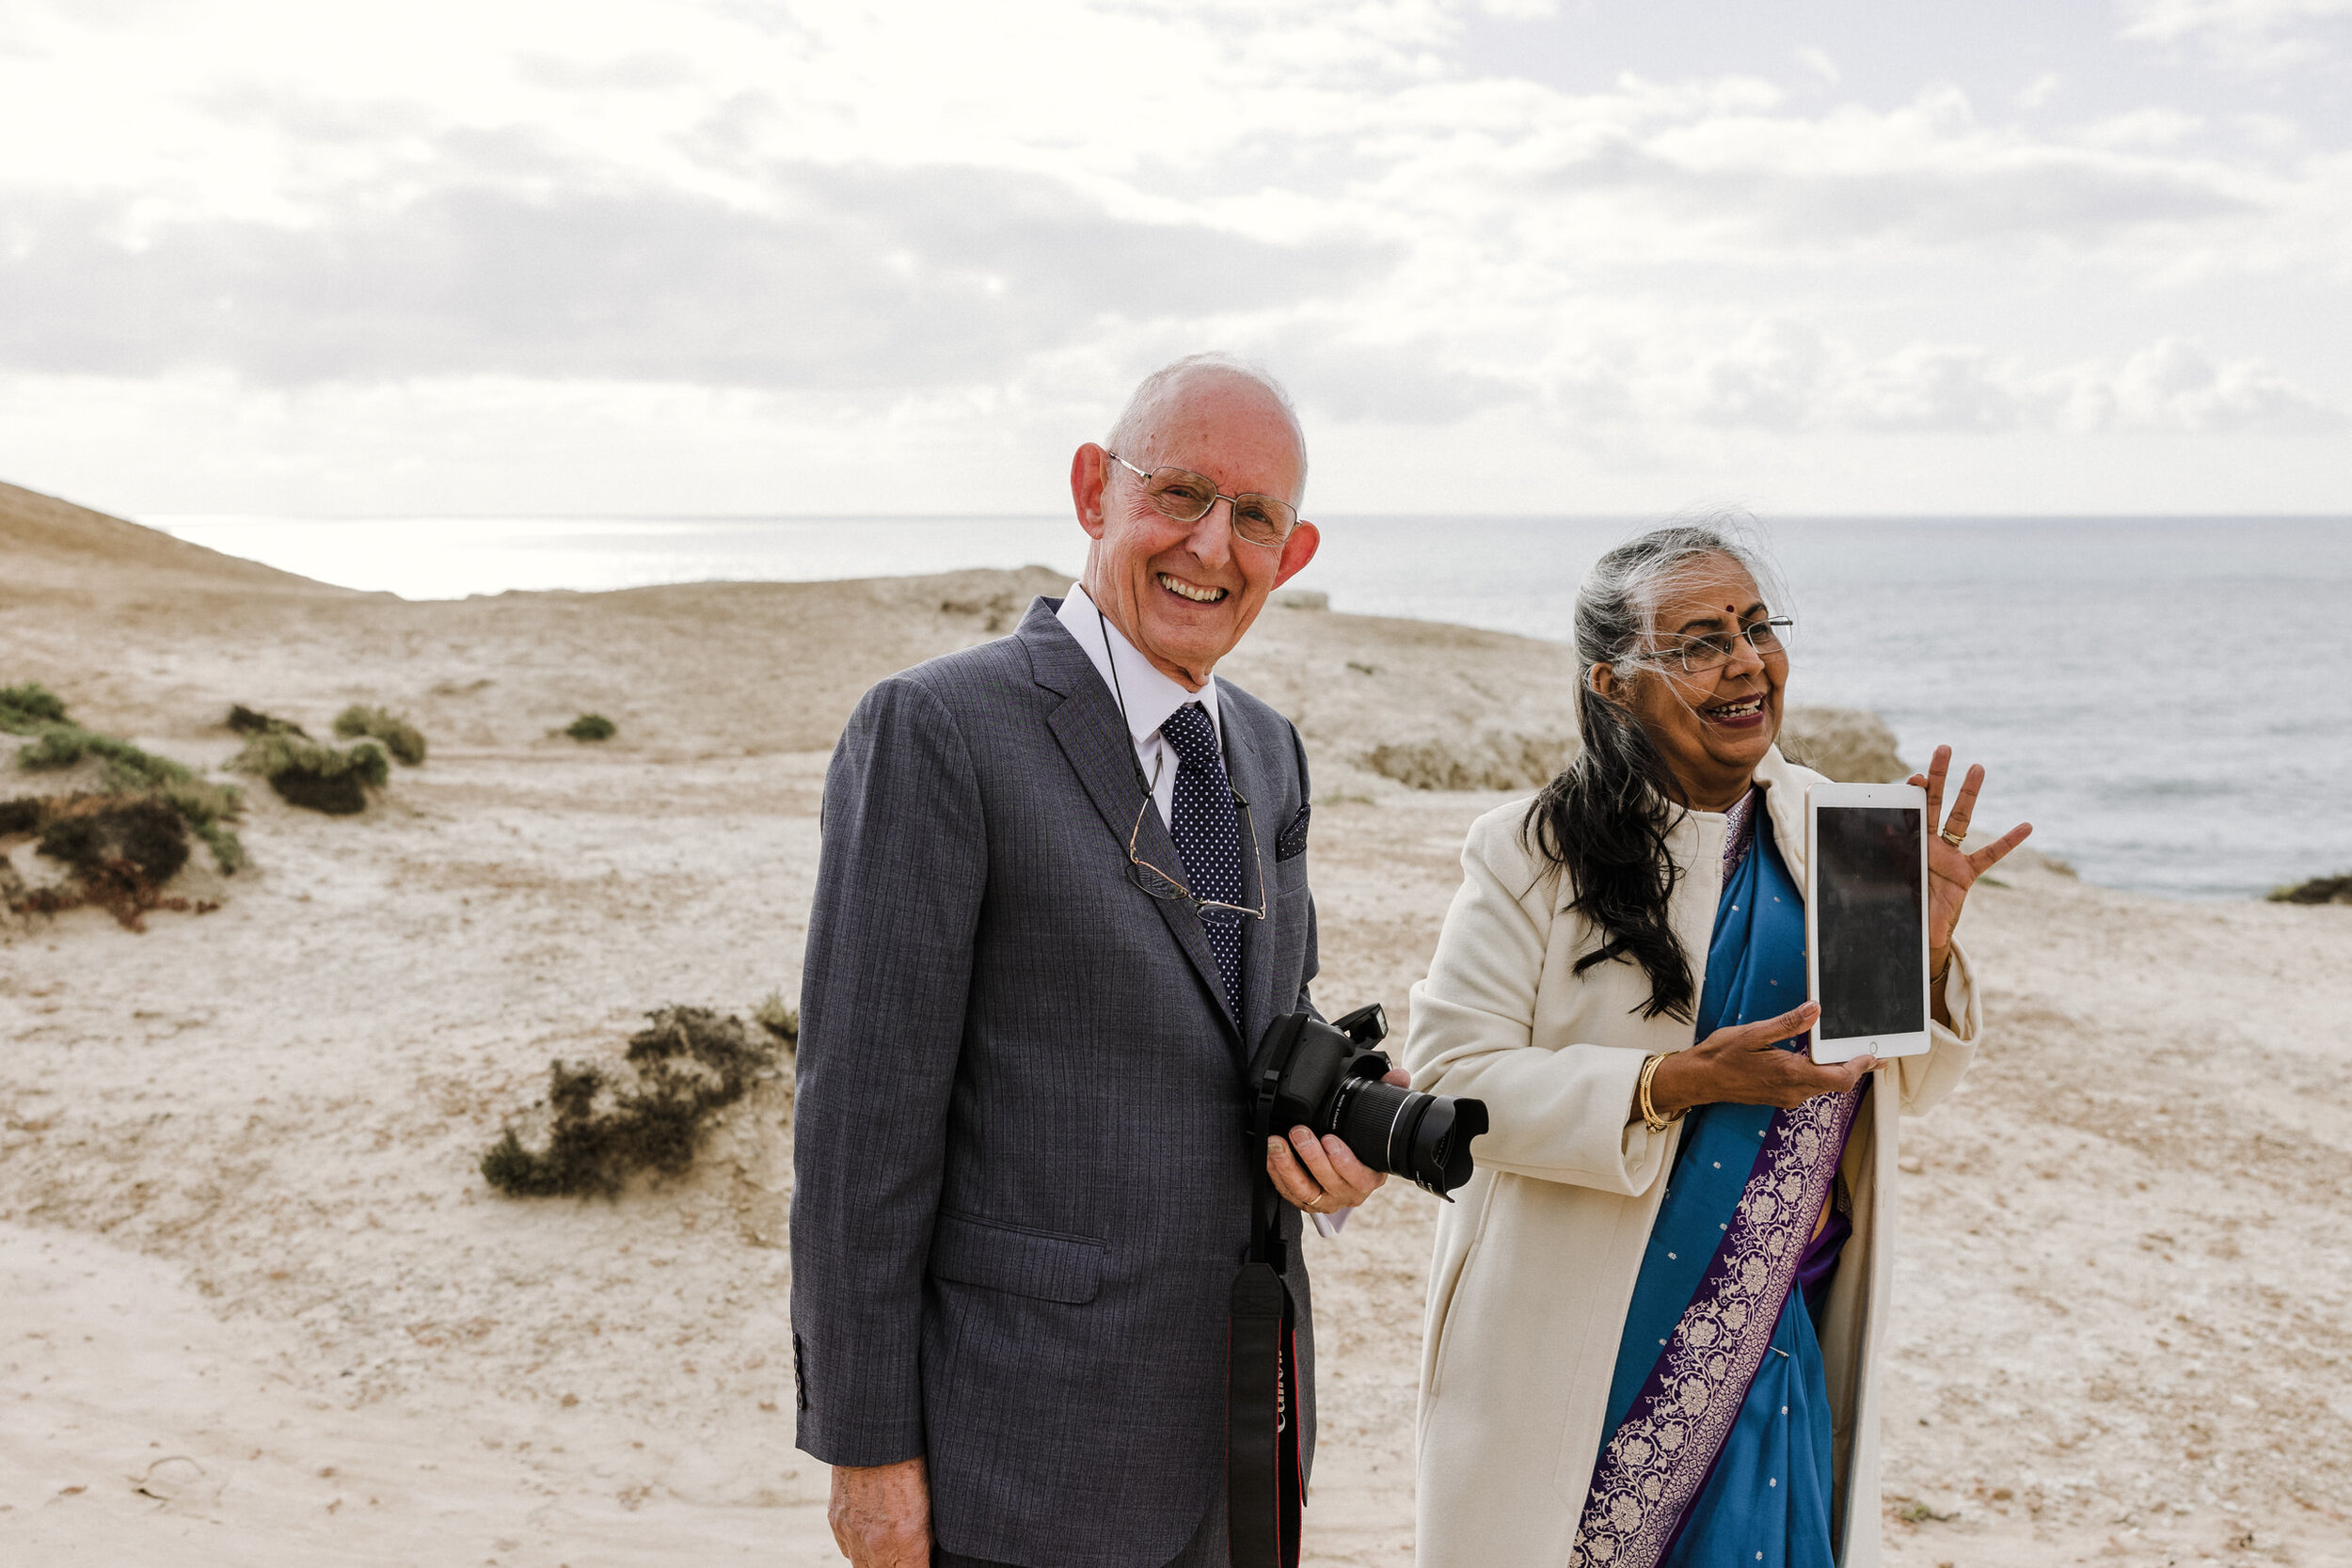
pixel 1954 839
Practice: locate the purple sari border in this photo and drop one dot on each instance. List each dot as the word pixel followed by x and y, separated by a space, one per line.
pixel 1659 1459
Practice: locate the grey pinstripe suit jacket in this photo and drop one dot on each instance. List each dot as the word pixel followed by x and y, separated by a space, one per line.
pixel 1021 1185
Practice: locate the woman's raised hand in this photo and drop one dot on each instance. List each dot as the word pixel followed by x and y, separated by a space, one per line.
pixel 1744 1065
pixel 1950 873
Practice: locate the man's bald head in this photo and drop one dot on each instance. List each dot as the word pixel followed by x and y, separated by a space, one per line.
pixel 1162 398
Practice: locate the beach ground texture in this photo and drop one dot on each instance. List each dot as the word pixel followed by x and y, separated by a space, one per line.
pixel 258 1306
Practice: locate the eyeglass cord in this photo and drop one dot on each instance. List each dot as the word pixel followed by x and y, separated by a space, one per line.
pixel 1111 660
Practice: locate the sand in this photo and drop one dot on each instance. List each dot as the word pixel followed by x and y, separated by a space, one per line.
pixel 257 1305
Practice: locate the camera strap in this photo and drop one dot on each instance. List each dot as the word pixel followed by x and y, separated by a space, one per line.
pixel 1265 1482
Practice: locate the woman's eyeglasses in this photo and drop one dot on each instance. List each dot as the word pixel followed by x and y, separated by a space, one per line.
pixel 1185 497
pixel 1704 656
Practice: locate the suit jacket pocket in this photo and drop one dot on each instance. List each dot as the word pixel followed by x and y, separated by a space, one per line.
pixel 1291 841
pixel 1038 1263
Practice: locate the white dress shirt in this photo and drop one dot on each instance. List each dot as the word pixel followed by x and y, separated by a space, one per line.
pixel 1151 695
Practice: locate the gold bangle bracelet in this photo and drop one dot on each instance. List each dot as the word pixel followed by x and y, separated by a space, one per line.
pixel 1650 1118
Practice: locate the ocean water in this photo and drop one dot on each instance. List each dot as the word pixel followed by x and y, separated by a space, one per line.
pixel 2167 700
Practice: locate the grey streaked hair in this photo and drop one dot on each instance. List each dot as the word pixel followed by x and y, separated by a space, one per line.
pixel 1128 430
pixel 1618 600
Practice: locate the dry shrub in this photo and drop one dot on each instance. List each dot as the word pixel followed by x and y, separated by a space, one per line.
pixel 122 850
pixel 604 1125
pixel 1849 744
pixel 246 720
pixel 1494 760
pixel 89 831
pixel 778 1020
pixel 2319 890
pixel 399 737
pixel 592 726
pixel 126 771
pixel 1002 609
pixel 314 777
pixel 20 817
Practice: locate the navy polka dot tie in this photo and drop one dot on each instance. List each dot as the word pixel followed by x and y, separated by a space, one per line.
pixel 1207 828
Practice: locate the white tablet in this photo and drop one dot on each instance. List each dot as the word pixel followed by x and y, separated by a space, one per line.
pixel 1866 918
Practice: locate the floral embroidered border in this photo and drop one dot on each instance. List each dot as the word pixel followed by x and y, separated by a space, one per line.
pixel 1652 1470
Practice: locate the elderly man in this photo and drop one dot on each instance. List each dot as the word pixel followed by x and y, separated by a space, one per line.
pixel 1063 890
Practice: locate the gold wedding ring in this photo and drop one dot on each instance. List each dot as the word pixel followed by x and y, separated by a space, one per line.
pixel 1955 839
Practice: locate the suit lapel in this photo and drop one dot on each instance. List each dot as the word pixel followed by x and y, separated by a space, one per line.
pixel 1095 742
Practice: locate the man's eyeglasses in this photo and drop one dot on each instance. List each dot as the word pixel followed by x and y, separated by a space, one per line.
pixel 1159 884
pixel 1186 497
pixel 1704 656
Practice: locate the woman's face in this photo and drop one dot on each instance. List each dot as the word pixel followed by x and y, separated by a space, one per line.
pixel 1712 726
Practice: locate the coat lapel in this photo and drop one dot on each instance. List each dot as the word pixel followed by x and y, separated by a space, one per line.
pixel 1094 739
pixel 1784 799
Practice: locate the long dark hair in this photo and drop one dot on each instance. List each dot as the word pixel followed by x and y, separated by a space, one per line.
pixel 1605 820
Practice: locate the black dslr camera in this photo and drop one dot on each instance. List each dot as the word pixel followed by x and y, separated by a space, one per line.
pixel 1327 1077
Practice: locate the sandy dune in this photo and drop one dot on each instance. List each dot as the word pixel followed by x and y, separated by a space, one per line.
pixel 257 1306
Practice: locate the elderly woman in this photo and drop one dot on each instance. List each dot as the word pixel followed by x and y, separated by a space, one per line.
pixel 1653 1316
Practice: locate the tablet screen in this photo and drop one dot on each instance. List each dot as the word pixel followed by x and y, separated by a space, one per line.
pixel 1869 921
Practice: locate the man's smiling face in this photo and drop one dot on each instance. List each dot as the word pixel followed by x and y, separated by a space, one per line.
pixel 1184 592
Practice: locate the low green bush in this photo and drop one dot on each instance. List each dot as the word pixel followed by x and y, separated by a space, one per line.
pixel 23 706
pixel 58 742
pixel 604 1125
pixel 246 720
pixel 592 726
pixel 56 746
pixel 399 737
pixel 2319 890
pixel 312 776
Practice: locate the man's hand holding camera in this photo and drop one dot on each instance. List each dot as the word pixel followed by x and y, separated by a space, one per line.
pixel 1323 1175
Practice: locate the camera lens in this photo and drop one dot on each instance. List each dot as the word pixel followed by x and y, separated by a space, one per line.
pixel 1424 1137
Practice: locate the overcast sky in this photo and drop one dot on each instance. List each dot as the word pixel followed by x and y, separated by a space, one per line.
pixel 607 256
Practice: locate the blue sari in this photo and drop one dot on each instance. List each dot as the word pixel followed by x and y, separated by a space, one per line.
pixel 1719 1426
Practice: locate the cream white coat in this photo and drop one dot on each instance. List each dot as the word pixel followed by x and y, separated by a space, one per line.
pixel 1535 1263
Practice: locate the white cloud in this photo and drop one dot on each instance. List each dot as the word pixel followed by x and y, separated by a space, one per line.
pixel 2177 384
pixel 2174 19
pixel 1818 61
pixel 2040 91
pixel 877 222
pixel 1772 378
pixel 1789 375
pixel 1934 387
pixel 2149 129
pixel 2252 33
pixel 848 277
